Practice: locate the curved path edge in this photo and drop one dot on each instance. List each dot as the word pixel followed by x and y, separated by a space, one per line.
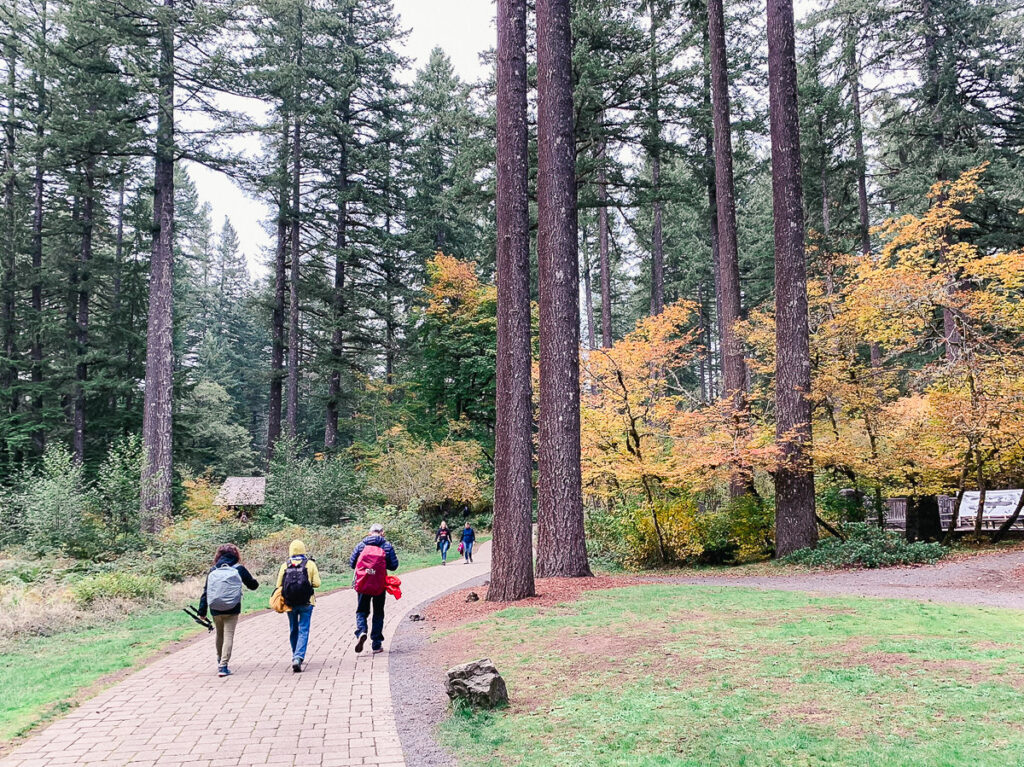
pixel 984 580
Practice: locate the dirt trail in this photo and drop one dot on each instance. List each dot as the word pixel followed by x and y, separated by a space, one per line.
pixel 994 580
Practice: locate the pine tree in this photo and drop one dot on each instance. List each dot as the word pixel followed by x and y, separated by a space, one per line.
pixel 157 471
pixel 512 555
pixel 794 478
pixel 561 547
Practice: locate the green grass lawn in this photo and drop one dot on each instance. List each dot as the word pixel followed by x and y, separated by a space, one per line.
pixel 697 676
pixel 44 678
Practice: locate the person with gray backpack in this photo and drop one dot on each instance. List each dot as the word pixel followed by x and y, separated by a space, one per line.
pixel 222 595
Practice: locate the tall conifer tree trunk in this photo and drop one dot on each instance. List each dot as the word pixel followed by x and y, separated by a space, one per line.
pixel 337 335
pixel 278 340
pixel 734 367
pixel 561 547
pixel 794 478
pixel 860 158
pixel 36 352
pixel 292 411
pixel 157 472
pixel 709 179
pixel 588 297
pixel 657 236
pixel 82 324
pixel 8 269
pixel 512 551
pixel 864 219
pixel 604 257
pixel 338 298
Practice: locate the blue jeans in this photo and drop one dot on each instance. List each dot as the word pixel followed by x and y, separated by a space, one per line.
pixel 469 550
pixel 445 545
pixel 298 621
pixel 363 611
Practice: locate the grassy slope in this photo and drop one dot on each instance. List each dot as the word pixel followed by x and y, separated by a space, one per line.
pixel 687 676
pixel 50 672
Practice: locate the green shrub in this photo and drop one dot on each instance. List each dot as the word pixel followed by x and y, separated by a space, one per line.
pixel 624 534
pixel 59 507
pixel 186 548
pixel 117 487
pixel 117 585
pixel 308 490
pixel 867 546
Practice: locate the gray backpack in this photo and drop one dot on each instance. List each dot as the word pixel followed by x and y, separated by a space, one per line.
pixel 224 588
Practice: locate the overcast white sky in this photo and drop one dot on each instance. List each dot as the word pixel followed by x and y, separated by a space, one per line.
pixel 463 28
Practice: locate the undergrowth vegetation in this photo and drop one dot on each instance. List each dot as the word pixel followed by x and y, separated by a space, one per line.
pixel 867 546
pixel 72 556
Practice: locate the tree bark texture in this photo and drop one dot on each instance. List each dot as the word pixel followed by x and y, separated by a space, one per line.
pixel 657 241
pixel 734 366
pixel 278 344
pixel 292 410
pixel 157 471
pixel 561 547
pixel 512 547
pixel 794 478
pixel 588 297
pixel 36 352
pixel 8 268
pixel 82 323
pixel 657 237
pixel 338 299
pixel 858 148
pixel 604 255
pixel 709 177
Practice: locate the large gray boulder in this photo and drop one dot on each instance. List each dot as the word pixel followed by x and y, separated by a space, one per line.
pixel 478 683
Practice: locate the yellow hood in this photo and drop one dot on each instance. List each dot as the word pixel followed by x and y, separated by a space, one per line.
pixel 296 548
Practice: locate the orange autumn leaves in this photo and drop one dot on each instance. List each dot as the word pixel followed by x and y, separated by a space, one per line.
pixel 917 372
pixel 642 431
pixel 943 401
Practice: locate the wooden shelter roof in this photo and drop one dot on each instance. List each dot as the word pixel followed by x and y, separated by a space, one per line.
pixel 242 491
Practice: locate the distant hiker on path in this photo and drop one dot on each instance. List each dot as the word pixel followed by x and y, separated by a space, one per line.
pixel 468 536
pixel 444 541
pixel 297 579
pixel 222 595
pixel 371 559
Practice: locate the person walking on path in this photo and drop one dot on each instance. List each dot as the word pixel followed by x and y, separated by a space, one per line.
pixel 444 541
pixel 371 559
pixel 297 580
pixel 468 536
pixel 222 596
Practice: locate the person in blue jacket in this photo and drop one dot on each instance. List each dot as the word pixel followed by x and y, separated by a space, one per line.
pixel 468 536
pixel 375 538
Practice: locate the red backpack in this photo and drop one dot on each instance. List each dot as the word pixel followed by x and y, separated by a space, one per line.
pixel 371 571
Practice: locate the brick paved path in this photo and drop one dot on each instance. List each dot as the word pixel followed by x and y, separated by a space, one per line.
pixel 177 713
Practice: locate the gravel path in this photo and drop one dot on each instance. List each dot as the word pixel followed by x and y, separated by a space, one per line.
pixel 417 688
pixel 994 580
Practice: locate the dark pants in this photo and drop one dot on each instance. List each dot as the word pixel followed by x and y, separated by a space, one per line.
pixel 363 611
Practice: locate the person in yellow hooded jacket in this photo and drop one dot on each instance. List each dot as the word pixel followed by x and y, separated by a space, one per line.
pixel 297 580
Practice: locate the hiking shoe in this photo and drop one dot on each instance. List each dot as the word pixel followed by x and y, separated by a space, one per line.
pixel 223 671
pixel 296 665
pixel 360 642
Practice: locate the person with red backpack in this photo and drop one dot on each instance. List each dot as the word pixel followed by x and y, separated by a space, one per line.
pixel 371 559
pixel 297 579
